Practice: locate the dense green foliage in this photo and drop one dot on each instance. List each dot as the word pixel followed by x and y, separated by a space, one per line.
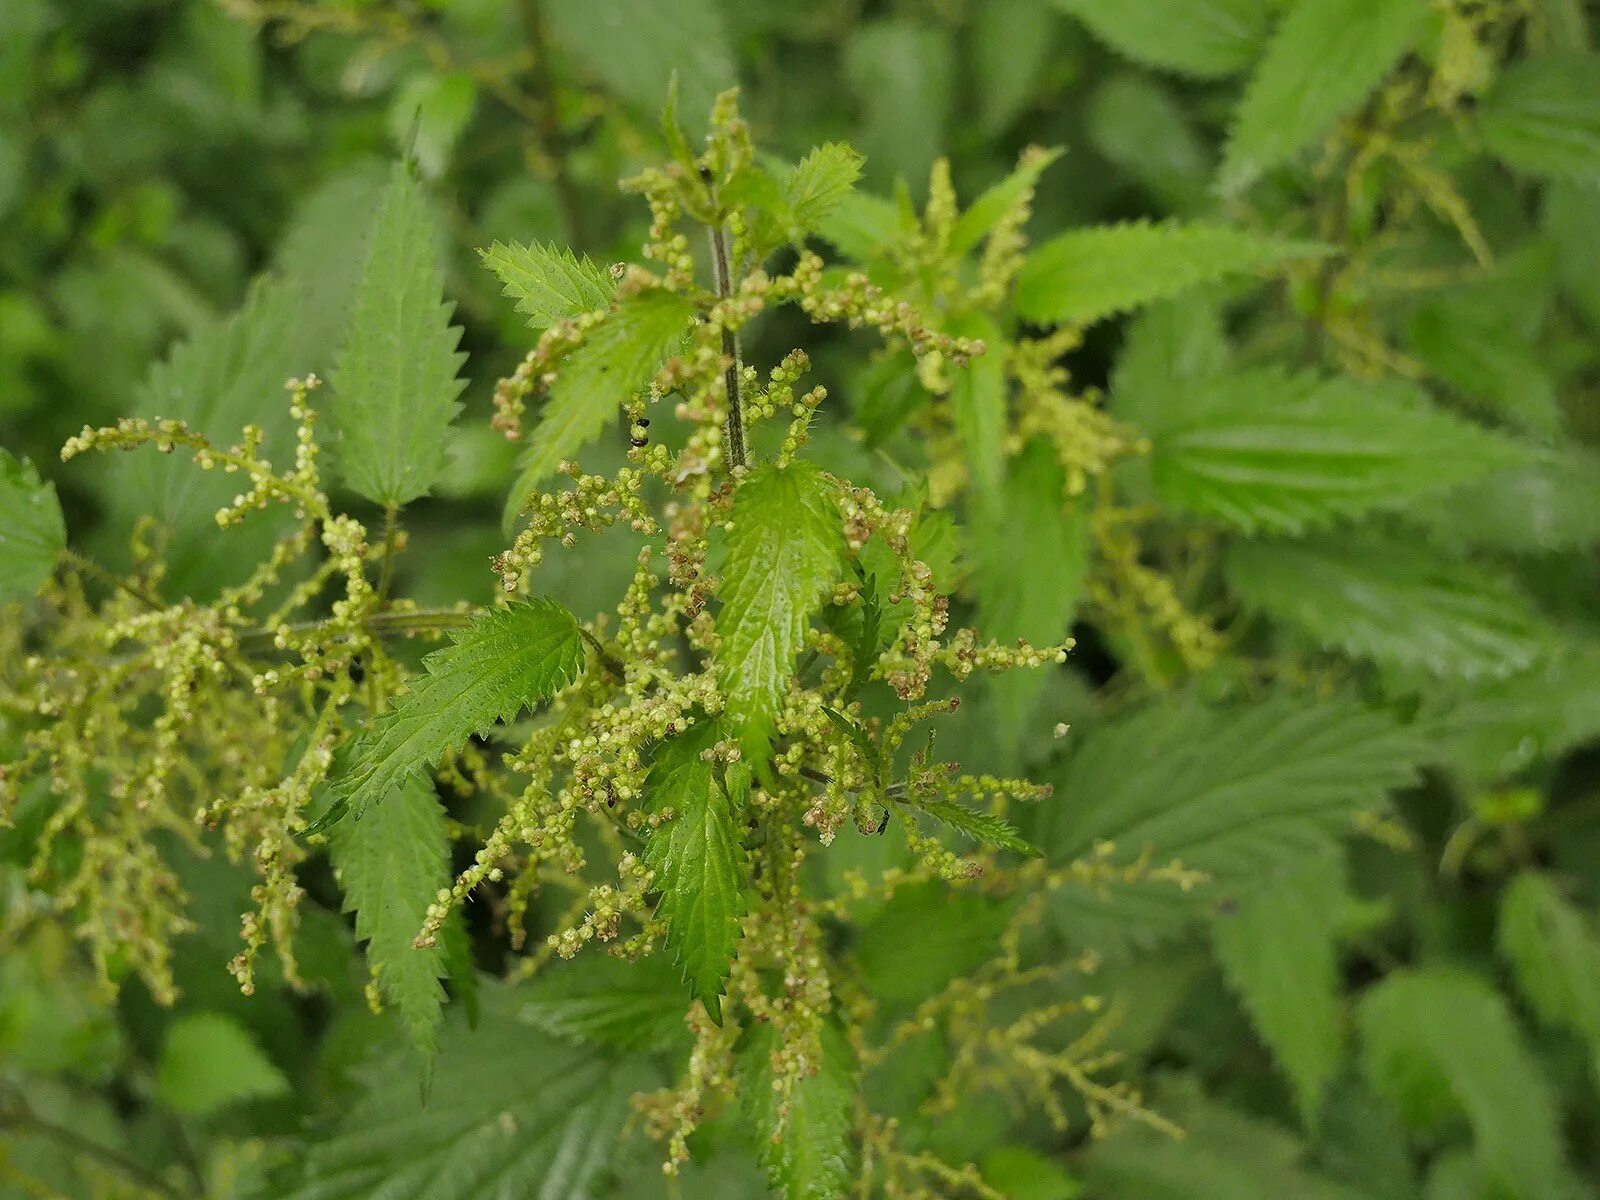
pixel 1015 615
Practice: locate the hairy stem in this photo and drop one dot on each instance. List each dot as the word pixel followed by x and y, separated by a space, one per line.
pixel 391 537
pixel 730 349
pixel 89 567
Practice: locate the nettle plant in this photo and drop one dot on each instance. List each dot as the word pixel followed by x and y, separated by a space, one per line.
pixel 791 922
pixel 761 689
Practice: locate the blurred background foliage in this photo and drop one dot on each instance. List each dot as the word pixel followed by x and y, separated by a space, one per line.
pixel 1422 1020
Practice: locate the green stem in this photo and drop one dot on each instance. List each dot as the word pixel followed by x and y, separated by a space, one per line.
pixel 730 349
pixel 89 567
pixel 391 537
pixel 420 620
pixel 607 659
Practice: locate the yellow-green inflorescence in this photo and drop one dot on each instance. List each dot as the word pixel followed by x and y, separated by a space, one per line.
pixel 152 720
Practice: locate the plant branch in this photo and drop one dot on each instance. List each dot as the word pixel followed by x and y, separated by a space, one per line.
pixel 391 537
pixel 89 567
pixel 607 659
pixel 730 349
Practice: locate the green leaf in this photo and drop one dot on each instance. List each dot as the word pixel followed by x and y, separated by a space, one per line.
pixel 511 1112
pixel 428 115
pixel 617 360
pixel 819 184
pixel 1542 117
pixel 209 1062
pixel 548 282
pixel 698 859
pixel 1493 728
pixel 1554 953
pixel 978 407
pixel 507 659
pixel 1276 946
pixel 805 1146
pixel 1393 600
pixel 973 225
pixel 1549 505
pixel 634 47
pixel 901 73
pixel 1205 38
pixel 1032 596
pixel 1086 275
pixel 391 864
pixel 1440 1044
pixel 608 1002
pixel 923 936
pixel 1169 346
pixel 1572 224
pixel 1012 44
pixel 1139 126
pixel 1324 59
pixel 396 382
pixel 1236 791
pixel 1265 450
pixel 1223 1155
pixel 785 549
pixel 32 531
pixel 861 224
pixel 226 375
pixel 980 827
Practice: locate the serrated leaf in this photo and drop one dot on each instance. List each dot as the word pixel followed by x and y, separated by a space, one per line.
pixel 1168 346
pixel 901 73
pixel 1324 59
pixel 1493 728
pixel 1266 450
pixel 974 224
pixel 549 283
pixel 1542 116
pixel 861 224
pixel 224 376
pixel 805 1147
pixel 1223 1155
pixel 1209 39
pixel 1235 791
pixel 609 1002
pixel 819 184
pixel 396 383
pixel 980 827
pixel 1275 943
pixel 511 1113
pixel 1393 600
pixel 634 47
pixel 698 859
pixel 32 531
pixel 1440 1043
pixel 1549 505
pixel 1086 275
pixel 978 409
pixel 507 659
pixel 617 360
pixel 785 549
pixel 210 1062
pixel 391 864
pixel 1554 953
pixel 1141 127
pixel 1032 596
pixel 1012 43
